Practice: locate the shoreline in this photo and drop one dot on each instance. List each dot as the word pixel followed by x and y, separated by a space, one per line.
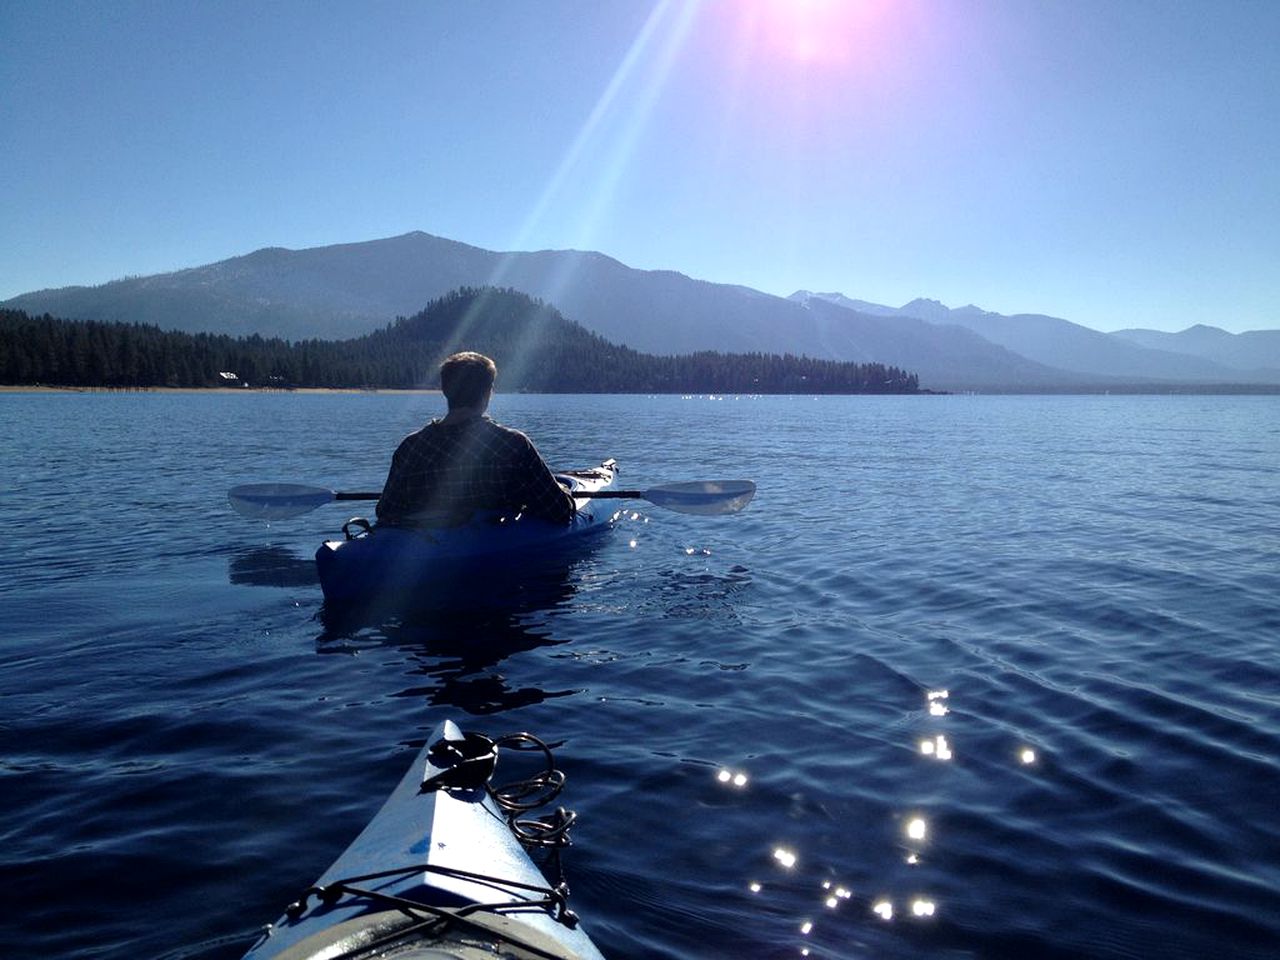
pixel 1189 390
pixel 11 388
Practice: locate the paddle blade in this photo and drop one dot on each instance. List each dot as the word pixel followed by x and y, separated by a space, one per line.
pixel 277 501
pixel 707 498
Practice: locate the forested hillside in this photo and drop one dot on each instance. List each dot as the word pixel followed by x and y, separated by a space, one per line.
pixel 536 348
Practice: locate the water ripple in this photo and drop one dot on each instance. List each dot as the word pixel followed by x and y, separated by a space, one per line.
pixel 972 677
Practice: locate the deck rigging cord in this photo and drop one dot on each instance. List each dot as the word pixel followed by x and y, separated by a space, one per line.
pixel 468 765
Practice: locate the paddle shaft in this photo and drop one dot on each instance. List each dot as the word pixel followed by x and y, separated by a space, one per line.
pixel 279 501
pixel 586 494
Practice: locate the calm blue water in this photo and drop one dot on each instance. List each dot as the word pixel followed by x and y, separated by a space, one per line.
pixel 1002 675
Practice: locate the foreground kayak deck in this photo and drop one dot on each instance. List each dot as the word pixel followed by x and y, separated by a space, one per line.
pixel 437 873
pixel 388 563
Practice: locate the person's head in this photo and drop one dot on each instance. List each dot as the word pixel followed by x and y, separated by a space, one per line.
pixel 466 379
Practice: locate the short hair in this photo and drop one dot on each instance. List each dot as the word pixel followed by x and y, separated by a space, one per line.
pixel 465 378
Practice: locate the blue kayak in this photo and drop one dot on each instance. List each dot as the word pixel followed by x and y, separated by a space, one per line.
pixel 384 563
pixel 438 873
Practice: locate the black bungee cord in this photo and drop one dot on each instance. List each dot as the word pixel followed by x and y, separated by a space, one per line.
pixel 469 765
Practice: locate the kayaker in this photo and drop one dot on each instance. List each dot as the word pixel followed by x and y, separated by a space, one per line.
pixel 466 462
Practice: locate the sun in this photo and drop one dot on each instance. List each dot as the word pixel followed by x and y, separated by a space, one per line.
pixel 812 34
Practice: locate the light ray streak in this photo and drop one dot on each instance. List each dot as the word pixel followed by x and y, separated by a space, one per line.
pixel 658 43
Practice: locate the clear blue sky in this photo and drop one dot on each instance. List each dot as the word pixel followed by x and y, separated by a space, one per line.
pixel 1113 162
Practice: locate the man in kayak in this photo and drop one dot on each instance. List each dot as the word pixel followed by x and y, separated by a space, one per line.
pixel 465 462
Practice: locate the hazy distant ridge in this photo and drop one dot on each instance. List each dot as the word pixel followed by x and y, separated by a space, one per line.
pixel 1213 356
pixel 1252 350
pixel 345 290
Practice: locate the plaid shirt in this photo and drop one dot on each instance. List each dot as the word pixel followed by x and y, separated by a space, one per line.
pixel 446 472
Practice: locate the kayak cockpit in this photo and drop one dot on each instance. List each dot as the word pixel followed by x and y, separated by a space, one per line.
pixel 380 563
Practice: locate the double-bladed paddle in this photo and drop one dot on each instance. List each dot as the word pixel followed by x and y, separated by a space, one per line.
pixel 709 498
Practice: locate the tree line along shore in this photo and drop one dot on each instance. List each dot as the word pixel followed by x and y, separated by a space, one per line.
pixel 537 351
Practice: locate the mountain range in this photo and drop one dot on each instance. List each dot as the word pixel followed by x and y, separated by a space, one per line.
pixel 342 291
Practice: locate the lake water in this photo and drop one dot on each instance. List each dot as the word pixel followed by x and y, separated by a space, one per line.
pixel 1002 674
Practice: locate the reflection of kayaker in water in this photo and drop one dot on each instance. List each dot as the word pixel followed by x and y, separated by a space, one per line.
pixel 465 462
